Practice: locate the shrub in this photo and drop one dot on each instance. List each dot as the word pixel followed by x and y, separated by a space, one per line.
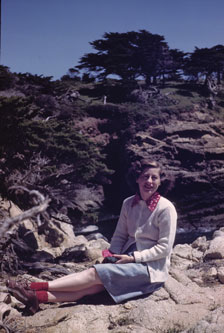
pixel 47 155
pixel 6 78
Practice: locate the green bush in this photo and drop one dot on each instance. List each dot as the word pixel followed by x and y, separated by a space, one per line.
pixel 6 78
pixel 50 156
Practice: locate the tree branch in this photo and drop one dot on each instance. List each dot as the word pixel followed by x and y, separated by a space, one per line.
pixel 42 204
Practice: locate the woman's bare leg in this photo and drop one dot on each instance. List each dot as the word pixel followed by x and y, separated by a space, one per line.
pixel 60 296
pixel 76 281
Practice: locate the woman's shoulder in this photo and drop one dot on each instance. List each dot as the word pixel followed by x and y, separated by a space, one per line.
pixel 128 202
pixel 165 203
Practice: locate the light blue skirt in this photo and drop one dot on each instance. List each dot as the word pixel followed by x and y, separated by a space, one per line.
pixel 125 281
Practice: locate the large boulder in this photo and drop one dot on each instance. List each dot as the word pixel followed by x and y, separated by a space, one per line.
pixel 54 239
pixel 216 247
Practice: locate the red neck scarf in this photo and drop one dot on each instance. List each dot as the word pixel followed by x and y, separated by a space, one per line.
pixel 151 202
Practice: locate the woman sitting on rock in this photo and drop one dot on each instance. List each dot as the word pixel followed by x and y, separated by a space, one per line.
pixel 142 245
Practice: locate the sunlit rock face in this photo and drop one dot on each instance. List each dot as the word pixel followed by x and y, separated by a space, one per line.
pixel 190 147
pixel 193 295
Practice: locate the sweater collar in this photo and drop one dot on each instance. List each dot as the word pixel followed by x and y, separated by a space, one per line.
pixel 151 202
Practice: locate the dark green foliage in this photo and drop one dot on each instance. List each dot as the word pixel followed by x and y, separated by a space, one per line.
pixel 44 144
pixel 174 69
pixel 48 155
pixel 206 61
pixel 13 111
pixel 6 78
pixel 127 117
pixel 73 75
pixel 131 55
pixel 44 82
pixel 87 78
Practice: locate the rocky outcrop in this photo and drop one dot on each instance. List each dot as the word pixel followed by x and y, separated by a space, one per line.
pixel 190 146
pixel 188 142
pixel 56 233
pixel 216 247
pixel 192 299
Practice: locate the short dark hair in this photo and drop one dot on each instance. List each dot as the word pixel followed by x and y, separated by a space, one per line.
pixel 137 167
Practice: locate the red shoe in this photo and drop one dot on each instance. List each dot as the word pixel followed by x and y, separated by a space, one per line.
pixel 27 297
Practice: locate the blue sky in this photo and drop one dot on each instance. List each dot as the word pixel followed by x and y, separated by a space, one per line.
pixel 50 36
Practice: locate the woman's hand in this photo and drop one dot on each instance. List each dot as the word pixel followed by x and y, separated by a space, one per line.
pixel 123 258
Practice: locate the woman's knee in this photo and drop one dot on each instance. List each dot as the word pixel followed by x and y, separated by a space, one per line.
pixel 94 276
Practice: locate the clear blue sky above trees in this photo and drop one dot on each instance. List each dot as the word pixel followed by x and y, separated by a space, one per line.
pixel 50 36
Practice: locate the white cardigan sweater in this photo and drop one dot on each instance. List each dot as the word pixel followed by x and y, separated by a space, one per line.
pixel 153 232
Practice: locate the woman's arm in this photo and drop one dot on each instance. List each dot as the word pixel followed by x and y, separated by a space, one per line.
pixel 124 258
pixel 167 231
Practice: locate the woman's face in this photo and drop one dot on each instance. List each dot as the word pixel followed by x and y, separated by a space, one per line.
pixel 148 182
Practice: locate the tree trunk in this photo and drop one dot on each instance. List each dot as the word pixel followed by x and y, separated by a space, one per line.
pixel 154 80
pixel 148 81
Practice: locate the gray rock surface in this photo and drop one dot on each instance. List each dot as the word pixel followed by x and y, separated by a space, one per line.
pixel 213 323
pixel 216 247
pixel 192 300
pixel 191 149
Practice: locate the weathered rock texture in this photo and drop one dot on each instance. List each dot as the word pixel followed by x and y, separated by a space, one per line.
pixel 191 148
pixel 189 143
pixel 192 299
